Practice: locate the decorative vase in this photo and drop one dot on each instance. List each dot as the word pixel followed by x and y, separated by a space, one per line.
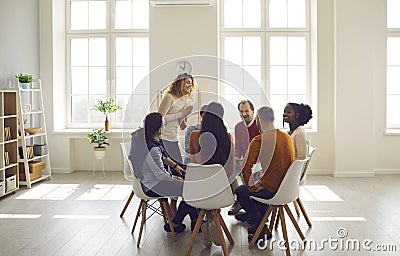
pixel 25 85
pixel 107 124
pixel 99 153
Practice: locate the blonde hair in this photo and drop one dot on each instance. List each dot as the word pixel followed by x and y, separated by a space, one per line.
pixel 176 87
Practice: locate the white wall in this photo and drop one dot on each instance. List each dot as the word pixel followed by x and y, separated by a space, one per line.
pixel 351 77
pixel 19 39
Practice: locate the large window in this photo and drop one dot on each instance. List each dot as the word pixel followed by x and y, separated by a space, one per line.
pixel 270 39
pixel 108 56
pixel 393 65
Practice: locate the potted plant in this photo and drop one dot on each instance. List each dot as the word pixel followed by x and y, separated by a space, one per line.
pixel 25 80
pixel 107 107
pixel 98 137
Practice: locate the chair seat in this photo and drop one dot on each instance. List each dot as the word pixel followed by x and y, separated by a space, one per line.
pixel 272 201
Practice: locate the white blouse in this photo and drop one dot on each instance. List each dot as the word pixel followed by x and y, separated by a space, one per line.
pixel 301 143
pixel 173 117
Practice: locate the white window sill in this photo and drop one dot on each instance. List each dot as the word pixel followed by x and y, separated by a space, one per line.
pixel 392 132
pixel 82 133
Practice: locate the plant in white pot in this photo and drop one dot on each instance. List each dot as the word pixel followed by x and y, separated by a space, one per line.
pixel 24 80
pixel 98 137
pixel 107 107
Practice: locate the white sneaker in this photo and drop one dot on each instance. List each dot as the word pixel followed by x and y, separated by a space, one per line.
pixel 206 234
pixel 214 233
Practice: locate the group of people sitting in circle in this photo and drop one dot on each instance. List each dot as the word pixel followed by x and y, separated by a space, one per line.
pixel 161 168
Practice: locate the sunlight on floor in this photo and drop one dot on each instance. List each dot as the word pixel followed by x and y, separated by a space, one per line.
pixel 318 193
pixel 338 219
pixel 82 217
pixel 50 192
pixel 106 192
pixel 20 216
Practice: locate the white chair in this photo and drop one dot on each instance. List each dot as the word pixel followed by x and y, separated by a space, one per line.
pixel 125 147
pixel 287 192
pixel 298 203
pixel 144 199
pixel 207 187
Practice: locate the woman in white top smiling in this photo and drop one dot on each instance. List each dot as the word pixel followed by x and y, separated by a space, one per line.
pixel 175 106
pixel 297 115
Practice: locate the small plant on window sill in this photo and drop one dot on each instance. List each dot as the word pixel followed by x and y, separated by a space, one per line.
pixel 106 107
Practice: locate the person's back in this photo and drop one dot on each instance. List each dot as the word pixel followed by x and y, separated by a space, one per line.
pixel 274 165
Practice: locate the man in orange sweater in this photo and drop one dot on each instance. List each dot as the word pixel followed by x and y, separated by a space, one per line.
pixel 275 151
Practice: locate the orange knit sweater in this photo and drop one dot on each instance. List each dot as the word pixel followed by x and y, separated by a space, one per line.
pixel 275 151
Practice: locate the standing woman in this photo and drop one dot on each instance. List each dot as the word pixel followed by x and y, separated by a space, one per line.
pixel 297 115
pixel 175 106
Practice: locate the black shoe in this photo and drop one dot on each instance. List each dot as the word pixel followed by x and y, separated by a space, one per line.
pixel 193 224
pixel 265 233
pixel 243 217
pixel 235 208
pixel 178 229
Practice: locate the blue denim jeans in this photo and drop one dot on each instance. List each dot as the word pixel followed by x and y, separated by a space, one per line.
pixel 254 209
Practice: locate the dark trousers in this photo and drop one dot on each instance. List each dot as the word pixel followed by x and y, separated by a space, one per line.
pixel 174 189
pixel 254 209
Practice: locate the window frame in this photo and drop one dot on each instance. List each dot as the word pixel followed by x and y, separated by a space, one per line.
pixel 110 33
pixel 394 33
pixel 265 32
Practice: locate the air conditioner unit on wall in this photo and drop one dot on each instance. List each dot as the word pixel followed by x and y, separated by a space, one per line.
pixel 182 2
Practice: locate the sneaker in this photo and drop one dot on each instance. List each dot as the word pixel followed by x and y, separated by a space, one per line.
pixel 214 233
pixel 243 217
pixel 206 234
pixel 178 229
pixel 236 207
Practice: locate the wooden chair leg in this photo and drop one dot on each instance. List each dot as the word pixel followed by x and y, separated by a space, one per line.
pixel 272 221
pixel 226 230
pixel 277 220
pixel 303 210
pixel 195 231
pixel 144 207
pixel 137 216
pixel 282 217
pixel 126 204
pixel 164 214
pixel 296 226
pixel 169 218
pixel 260 226
pixel 296 207
pixel 216 219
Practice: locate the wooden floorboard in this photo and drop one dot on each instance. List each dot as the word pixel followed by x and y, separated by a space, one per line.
pixel 367 208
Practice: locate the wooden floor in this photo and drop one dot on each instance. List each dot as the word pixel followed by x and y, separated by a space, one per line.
pixel 78 214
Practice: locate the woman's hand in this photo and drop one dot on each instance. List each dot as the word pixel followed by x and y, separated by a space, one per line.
pixel 180 170
pixel 186 111
pixel 177 178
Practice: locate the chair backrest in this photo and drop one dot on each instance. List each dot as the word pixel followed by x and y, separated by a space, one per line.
pixel 207 187
pixel 128 169
pixel 303 177
pixel 288 191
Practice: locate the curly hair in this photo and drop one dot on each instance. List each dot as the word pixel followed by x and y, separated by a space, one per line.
pixel 303 110
pixel 176 87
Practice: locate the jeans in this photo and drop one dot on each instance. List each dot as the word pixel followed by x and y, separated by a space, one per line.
pixel 254 209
